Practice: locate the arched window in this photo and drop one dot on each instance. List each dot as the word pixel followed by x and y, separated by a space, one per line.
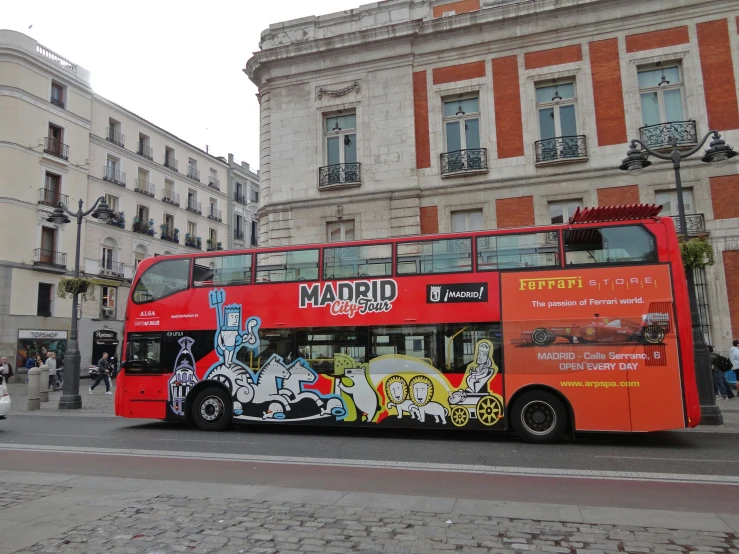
pixel 109 253
pixel 139 253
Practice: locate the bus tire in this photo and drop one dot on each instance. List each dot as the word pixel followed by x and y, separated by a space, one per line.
pixel 539 417
pixel 211 409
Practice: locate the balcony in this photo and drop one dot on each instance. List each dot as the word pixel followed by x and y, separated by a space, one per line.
pixel 213 247
pixel 238 234
pixel 118 219
pixel 193 173
pixel 695 223
pixel 145 228
pixel 169 234
pixel 171 198
pixel 214 214
pixel 195 207
pixel 57 102
pixel 658 136
pixel 56 148
pixel 559 150
pixel 171 163
pixel 145 151
pixel 49 258
pixel 214 183
pixel 240 198
pixel 114 176
pixel 144 187
pixel 464 162
pixel 336 175
pixel 52 198
pixel 194 242
pixel 111 135
pixel 112 269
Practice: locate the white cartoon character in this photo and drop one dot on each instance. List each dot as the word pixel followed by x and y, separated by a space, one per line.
pixel 230 337
pixel 266 388
pixel 292 387
pixel 483 371
pixel 397 391
pixel 362 393
pixel 432 408
pixel 334 406
pixel 183 378
pixel 422 391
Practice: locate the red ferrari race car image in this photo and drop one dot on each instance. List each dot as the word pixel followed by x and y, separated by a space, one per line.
pixel 650 330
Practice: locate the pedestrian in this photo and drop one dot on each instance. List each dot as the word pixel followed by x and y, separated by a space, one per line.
pixel 51 362
pixel 59 370
pixel 39 361
pixel 30 363
pixel 719 383
pixel 104 368
pixel 6 370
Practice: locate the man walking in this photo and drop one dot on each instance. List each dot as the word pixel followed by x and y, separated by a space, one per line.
pixel 6 370
pixel 51 362
pixel 104 369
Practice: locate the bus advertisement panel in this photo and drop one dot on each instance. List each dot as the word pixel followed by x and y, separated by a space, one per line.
pixel 605 337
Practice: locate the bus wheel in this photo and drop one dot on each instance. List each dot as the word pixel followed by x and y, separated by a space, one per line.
pixel 211 409
pixel 489 410
pixel 653 334
pixel 460 416
pixel 539 416
pixel 541 337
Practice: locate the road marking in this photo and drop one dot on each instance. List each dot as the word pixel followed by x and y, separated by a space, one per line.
pixel 376 464
pixel 117 439
pixel 672 459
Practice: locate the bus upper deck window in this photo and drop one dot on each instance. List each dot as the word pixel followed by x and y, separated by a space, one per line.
pixel 162 279
pixel 604 245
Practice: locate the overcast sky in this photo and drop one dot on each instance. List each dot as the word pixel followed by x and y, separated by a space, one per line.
pixel 177 64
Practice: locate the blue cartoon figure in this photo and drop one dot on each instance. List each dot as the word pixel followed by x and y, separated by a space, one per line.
pixel 230 337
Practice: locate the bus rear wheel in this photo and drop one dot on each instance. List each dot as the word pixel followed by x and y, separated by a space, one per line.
pixel 211 409
pixel 539 417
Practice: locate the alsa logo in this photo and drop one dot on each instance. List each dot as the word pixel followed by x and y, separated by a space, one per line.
pixel 149 313
pixel 351 297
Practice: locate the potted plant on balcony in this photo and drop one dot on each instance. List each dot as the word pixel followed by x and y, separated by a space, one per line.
pixel 696 253
pixel 209 242
pixel 164 231
pixel 176 237
pixel 70 286
pixel 199 243
pixel 150 229
pixel 219 246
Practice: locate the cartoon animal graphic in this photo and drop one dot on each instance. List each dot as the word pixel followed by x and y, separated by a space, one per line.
pixel 433 409
pixel 361 391
pixel 396 390
pixel 292 388
pixel 334 406
pixel 422 391
pixel 266 388
pixel 230 338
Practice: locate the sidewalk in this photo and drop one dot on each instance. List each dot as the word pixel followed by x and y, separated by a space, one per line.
pixel 71 513
pixel 97 404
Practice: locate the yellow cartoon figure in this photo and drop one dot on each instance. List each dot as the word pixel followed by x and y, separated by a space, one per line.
pixel 476 400
pixel 396 390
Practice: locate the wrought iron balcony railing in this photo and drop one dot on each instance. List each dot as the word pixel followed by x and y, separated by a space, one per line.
pixel 42 256
pixel 194 242
pixel 193 173
pixel 118 219
pixel 214 183
pixel 214 214
pixel 57 102
pixel 658 135
pixel 238 234
pixel 56 148
pixel 240 198
pixel 695 223
pixel 144 187
pixel 145 228
pixel 461 161
pixel 145 151
pixel 170 197
pixel 111 268
pixel 114 176
pixel 114 136
pixel 559 149
pixel 169 234
pixel 195 207
pixel 51 198
pixel 339 174
pixel 171 163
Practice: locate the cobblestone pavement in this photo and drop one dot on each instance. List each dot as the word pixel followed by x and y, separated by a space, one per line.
pixel 14 494
pixel 179 524
pixel 97 403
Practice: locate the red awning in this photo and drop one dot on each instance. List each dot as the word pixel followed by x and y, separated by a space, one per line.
pixel 615 213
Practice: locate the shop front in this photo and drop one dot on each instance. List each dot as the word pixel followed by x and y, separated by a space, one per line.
pixel 38 342
pixel 104 340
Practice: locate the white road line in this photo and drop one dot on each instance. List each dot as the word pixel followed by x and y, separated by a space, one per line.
pixel 408 466
pixel 672 459
pixel 117 439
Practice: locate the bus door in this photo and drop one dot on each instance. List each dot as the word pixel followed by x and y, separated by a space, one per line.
pixel 145 382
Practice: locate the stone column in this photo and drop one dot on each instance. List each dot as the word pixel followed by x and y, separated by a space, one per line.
pixel 34 402
pixel 44 383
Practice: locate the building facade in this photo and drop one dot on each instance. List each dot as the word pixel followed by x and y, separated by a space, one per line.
pixel 420 116
pixel 243 186
pixel 61 142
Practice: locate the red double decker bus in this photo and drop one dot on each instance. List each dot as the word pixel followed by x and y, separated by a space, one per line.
pixel 541 330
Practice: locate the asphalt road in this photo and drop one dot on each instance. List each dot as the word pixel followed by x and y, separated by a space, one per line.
pixel 667 452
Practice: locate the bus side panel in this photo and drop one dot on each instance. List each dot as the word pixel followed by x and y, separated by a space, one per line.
pixel 142 396
pixel 583 332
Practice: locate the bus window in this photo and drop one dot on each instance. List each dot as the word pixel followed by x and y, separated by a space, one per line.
pixel 358 261
pixel 319 346
pixel 162 279
pixel 517 251
pixel 285 267
pixel 460 341
pixel 219 271
pixel 605 245
pixel 144 354
pixel 418 342
pixel 435 256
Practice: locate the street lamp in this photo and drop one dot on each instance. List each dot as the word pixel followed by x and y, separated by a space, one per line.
pixel 717 152
pixel 71 399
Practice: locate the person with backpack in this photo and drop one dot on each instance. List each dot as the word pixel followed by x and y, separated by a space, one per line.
pixel 719 364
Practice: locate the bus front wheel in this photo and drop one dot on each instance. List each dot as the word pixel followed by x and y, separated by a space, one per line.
pixel 539 417
pixel 211 409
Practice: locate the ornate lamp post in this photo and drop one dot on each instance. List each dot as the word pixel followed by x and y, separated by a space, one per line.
pixel 71 399
pixel 717 152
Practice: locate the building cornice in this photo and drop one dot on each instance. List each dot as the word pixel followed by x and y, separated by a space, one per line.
pixel 47 160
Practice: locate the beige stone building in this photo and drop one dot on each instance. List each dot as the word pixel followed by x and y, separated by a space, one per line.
pixel 61 142
pixel 419 116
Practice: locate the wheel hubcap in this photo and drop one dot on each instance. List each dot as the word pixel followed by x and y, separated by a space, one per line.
pixel 538 417
pixel 212 409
